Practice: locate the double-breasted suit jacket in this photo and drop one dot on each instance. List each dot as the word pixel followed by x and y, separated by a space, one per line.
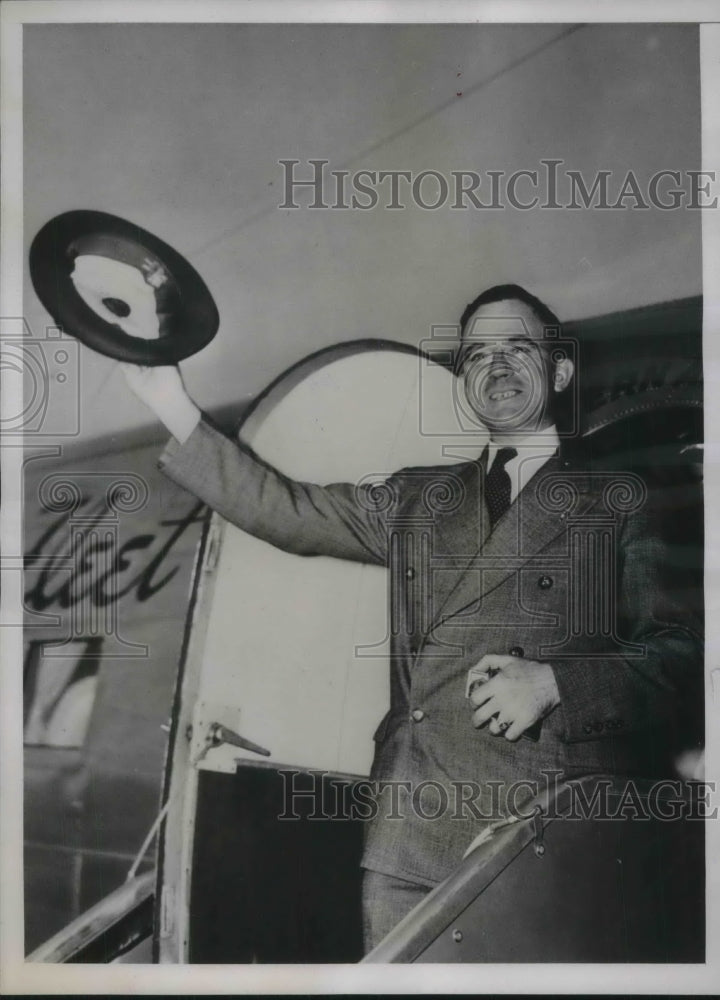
pixel 573 574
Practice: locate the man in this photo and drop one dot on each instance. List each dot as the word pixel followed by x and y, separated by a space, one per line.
pixel 571 677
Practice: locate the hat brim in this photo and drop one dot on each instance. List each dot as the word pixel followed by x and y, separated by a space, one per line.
pixel 191 326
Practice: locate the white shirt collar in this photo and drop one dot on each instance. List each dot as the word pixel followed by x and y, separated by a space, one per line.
pixel 533 450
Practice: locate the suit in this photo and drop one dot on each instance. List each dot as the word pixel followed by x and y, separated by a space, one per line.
pixel 574 574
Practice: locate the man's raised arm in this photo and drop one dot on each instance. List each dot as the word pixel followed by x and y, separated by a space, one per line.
pixel 339 520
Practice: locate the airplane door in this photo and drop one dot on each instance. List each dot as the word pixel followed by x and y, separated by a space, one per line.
pixel 287 653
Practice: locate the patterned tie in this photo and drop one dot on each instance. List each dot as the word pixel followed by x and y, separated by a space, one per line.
pixel 497 484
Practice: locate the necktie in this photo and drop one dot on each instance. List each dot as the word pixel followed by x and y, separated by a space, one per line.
pixel 497 484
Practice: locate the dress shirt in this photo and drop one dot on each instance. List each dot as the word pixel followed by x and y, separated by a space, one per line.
pixel 533 450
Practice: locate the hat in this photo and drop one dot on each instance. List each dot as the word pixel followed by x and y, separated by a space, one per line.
pixel 186 315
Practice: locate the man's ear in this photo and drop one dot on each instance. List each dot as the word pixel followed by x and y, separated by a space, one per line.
pixel 563 374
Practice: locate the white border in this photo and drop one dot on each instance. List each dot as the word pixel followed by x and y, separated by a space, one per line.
pixel 710 106
pixel 358 11
pixel 19 977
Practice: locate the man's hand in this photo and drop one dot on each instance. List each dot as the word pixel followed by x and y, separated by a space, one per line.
pixel 517 693
pixel 163 390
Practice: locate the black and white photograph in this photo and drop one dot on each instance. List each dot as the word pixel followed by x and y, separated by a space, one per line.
pixel 358 419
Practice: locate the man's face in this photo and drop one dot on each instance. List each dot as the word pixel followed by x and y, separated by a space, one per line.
pixel 506 369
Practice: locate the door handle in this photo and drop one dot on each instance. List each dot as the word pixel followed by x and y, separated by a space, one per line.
pixel 219 734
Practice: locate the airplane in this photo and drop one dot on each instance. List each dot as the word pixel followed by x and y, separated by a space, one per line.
pixel 183 678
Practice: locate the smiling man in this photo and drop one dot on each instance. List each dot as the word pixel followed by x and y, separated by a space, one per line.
pixel 511 375
pixel 509 659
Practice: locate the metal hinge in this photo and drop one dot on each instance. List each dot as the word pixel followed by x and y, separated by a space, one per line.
pixel 213 547
pixel 538 830
pixel 167 911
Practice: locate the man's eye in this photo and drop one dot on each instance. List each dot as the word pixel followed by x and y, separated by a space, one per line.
pixel 487 353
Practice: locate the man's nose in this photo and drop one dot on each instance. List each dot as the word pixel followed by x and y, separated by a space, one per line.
pixel 499 363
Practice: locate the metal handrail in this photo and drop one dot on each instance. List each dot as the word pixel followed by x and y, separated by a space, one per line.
pixel 98 920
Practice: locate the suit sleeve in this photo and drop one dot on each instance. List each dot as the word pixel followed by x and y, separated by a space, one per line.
pixel 611 697
pixel 341 520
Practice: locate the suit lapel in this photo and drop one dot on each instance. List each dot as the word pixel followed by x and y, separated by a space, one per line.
pixel 464 531
pixel 522 532
pixel 457 538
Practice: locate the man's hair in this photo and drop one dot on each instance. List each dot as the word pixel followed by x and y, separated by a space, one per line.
pixel 502 293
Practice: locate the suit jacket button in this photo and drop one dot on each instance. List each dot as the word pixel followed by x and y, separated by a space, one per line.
pixel 417 715
pixel 517 651
pixel 545 582
pixel 410 573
